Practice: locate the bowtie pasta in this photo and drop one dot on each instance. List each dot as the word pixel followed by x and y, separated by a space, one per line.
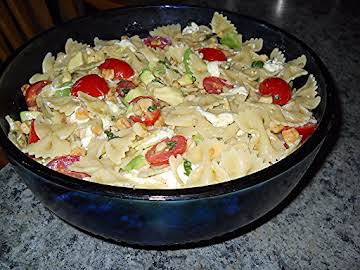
pixel 180 108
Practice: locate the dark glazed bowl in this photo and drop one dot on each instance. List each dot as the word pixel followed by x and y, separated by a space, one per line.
pixel 159 217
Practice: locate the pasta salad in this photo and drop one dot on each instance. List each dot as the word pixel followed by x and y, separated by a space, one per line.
pixel 180 108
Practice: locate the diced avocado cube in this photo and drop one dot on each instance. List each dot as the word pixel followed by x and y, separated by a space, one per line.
pixel 232 40
pixel 28 115
pixel 146 76
pixel 136 163
pixel 186 79
pixel 134 93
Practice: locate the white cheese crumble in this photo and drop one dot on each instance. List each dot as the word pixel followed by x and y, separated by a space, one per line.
pixel 106 122
pixel 273 66
pixel 220 120
pixel 192 28
pixel 85 136
pixel 126 43
pixel 213 68
pixel 112 106
pixel 237 90
pixel 160 135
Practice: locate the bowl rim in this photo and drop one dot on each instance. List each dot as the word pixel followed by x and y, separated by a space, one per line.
pixel 17 157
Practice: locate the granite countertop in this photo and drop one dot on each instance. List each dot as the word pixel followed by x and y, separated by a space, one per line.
pixel 319 229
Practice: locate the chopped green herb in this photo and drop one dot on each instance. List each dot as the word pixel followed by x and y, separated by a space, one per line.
pixel 165 62
pixel 257 64
pixel 113 118
pixel 187 167
pixel 171 145
pixel 186 59
pixel 152 108
pixel 208 36
pixel 110 135
pixel 158 81
pixel 125 91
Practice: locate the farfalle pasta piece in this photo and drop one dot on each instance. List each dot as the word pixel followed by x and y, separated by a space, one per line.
pixel 66 105
pixel 171 31
pixel 278 55
pixel 116 148
pixel 291 72
pixel 48 147
pixel 255 44
pixel 198 67
pixel 306 96
pixel 221 25
pixel 61 130
pixel 299 62
pixel 73 46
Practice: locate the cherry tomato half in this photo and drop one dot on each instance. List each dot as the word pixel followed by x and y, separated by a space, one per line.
pixel 306 130
pixel 151 115
pixel 157 42
pixel 214 85
pixel 277 88
pixel 123 87
pixel 174 146
pixel 61 164
pixel 92 85
pixel 122 70
pixel 212 54
pixel 33 137
pixel 33 91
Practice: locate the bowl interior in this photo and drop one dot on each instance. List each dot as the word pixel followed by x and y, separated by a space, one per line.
pixel 139 21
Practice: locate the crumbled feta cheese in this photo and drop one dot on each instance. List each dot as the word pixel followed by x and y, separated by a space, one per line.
pixel 273 66
pixel 106 122
pixel 192 28
pixel 85 136
pixel 113 107
pixel 126 43
pixel 160 135
pixel 237 90
pixel 220 120
pixel 213 68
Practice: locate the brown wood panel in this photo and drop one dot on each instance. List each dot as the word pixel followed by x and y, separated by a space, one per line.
pixel 68 9
pixel 22 13
pixel 41 13
pixel 105 4
pixel 5 51
pixel 8 26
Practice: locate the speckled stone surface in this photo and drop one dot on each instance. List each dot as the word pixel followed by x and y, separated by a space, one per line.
pixel 318 229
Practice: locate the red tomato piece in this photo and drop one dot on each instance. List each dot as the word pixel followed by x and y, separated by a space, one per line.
pixel 33 137
pixel 277 88
pixel 306 130
pixel 215 85
pixel 157 42
pixel 61 164
pixel 122 70
pixel 92 85
pixel 124 86
pixel 174 146
pixel 149 117
pixel 33 91
pixel 212 54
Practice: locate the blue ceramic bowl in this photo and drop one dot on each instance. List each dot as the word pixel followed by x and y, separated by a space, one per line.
pixel 159 217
